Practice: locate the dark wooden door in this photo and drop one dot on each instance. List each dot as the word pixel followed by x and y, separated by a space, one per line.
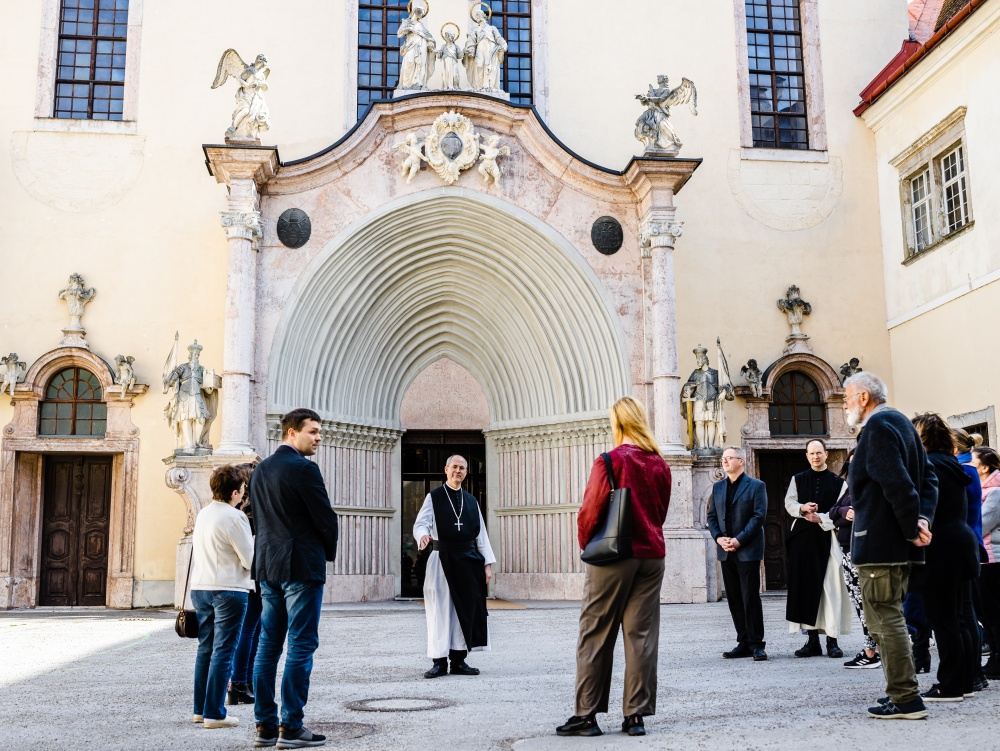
pixel 776 470
pixel 75 520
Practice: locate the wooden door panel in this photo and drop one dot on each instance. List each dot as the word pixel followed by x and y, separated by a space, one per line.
pixel 776 470
pixel 75 526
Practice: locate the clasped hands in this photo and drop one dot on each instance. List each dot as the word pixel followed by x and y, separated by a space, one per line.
pixel 729 544
pixel 808 511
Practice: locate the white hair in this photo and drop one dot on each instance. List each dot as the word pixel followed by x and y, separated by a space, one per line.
pixel 740 453
pixel 875 386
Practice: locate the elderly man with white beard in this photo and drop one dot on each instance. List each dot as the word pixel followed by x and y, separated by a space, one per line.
pixel 894 492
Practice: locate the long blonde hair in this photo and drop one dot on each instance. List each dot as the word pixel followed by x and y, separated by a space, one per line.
pixel 628 420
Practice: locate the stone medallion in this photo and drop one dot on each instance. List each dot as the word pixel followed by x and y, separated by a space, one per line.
pixel 607 235
pixel 294 228
pixel 452 146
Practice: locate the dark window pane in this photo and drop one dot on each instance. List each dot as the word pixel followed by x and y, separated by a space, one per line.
pixel 103 27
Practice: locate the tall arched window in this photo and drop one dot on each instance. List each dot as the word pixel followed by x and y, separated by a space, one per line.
pixel 797 406
pixel 73 405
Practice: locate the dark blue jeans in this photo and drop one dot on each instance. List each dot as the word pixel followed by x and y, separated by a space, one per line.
pixel 220 617
pixel 292 609
pixel 249 636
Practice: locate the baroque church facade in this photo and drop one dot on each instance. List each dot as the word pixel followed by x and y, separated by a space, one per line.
pixel 432 269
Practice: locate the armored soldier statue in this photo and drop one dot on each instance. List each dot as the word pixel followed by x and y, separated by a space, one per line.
pixel 702 396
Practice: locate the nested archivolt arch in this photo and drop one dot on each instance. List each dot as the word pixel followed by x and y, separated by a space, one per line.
pixel 457 275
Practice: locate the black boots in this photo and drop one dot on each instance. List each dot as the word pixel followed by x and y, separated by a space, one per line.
pixel 239 693
pixel 458 664
pixel 833 649
pixel 811 648
pixel 440 668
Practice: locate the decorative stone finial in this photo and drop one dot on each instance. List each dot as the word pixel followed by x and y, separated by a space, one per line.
pixel 13 373
pixel 251 117
pixel 76 296
pixel 795 308
pixel 653 129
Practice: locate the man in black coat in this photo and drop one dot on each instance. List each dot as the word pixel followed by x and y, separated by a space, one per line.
pixel 296 534
pixel 894 492
pixel 736 521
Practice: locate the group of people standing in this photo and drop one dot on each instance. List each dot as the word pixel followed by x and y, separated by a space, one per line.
pixel 860 538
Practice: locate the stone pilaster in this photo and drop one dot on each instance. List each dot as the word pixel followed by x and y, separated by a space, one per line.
pixel 245 171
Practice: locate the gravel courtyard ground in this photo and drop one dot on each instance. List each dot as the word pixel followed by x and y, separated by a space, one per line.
pixel 122 680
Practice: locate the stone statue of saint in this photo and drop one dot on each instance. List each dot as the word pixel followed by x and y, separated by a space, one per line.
pixel 124 373
pixel 193 401
pixel 450 56
pixel 703 397
pixel 251 117
pixel 752 373
pixel 13 372
pixel 653 128
pixel 416 53
pixel 484 51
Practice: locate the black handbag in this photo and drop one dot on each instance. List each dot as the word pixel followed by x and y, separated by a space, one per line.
pixel 186 624
pixel 612 542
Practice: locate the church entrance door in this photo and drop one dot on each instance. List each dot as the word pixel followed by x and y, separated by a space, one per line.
pixel 425 453
pixel 75 523
pixel 776 470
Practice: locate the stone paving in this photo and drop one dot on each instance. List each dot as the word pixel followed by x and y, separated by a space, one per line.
pixel 122 680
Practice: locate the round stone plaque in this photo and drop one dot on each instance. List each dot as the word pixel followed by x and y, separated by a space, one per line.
pixel 294 228
pixel 399 704
pixel 607 235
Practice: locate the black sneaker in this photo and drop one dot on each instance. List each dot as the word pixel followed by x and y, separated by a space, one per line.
pixel 862 662
pixel 934 694
pixel 267 735
pixel 577 725
pixel 912 710
pixel 301 737
pixel 980 684
pixel 633 725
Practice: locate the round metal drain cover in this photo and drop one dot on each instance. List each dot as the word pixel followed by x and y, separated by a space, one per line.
pixel 343 731
pixel 398 704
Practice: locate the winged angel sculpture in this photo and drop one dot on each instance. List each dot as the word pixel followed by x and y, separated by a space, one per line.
pixel 653 128
pixel 251 117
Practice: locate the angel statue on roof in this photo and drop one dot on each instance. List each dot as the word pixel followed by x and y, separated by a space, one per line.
pixel 251 117
pixel 653 128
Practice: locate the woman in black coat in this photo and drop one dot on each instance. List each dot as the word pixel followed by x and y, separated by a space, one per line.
pixel 945 581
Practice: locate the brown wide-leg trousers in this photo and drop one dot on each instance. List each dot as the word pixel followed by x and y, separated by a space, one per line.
pixel 627 595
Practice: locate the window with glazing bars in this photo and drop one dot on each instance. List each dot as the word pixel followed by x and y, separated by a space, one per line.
pixel 513 18
pixel 90 67
pixel 73 405
pixel 920 200
pixel 956 203
pixel 378 50
pixel 777 74
pixel 797 406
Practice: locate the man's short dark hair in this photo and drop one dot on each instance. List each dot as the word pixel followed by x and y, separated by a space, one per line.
pixel 295 419
pixel 225 481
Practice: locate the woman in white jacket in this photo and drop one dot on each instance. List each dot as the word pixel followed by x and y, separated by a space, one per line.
pixel 222 551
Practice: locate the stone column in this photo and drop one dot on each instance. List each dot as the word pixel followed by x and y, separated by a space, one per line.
pixel 244 171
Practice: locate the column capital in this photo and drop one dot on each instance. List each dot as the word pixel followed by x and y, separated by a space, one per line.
pixel 242 225
pixel 659 234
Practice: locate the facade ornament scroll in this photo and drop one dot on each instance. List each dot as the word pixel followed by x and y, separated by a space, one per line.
pixel 243 225
pixel 76 295
pixel 451 147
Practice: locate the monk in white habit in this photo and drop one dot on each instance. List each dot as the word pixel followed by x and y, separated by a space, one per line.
pixel 817 597
pixel 458 571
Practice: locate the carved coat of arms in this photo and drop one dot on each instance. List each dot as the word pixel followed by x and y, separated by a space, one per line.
pixel 452 146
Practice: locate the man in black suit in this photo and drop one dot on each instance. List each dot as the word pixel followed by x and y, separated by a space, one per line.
pixel 736 521
pixel 296 532
pixel 894 495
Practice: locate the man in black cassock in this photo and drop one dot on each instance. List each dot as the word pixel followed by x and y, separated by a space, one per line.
pixel 458 572
pixel 815 601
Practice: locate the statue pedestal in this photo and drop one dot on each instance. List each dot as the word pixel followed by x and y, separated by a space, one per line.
pixel 188 476
pixel 691 572
pixel 797 344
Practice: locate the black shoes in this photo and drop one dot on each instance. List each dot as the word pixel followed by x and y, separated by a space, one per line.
pixel 912 710
pixel 742 650
pixel 759 655
pixel 462 668
pixel 301 737
pixel 811 648
pixel 922 663
pixel 587 725
pixel 440 668
pixel 934 693
pixel 239 693
pixel 833 649
pixel 266 736
pixel 633 725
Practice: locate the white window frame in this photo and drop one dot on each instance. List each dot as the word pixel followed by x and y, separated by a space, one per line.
pixel 45 91
pixel 815 97
pixel 960 183
pixel 926 158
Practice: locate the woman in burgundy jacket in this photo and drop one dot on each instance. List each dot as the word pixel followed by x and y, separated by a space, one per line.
pixel 623 595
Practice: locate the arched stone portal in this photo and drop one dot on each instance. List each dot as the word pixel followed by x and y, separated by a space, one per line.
pixel 461 276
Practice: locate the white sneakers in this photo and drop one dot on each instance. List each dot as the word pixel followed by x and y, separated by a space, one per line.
pixel 226 722
pixel 198 718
